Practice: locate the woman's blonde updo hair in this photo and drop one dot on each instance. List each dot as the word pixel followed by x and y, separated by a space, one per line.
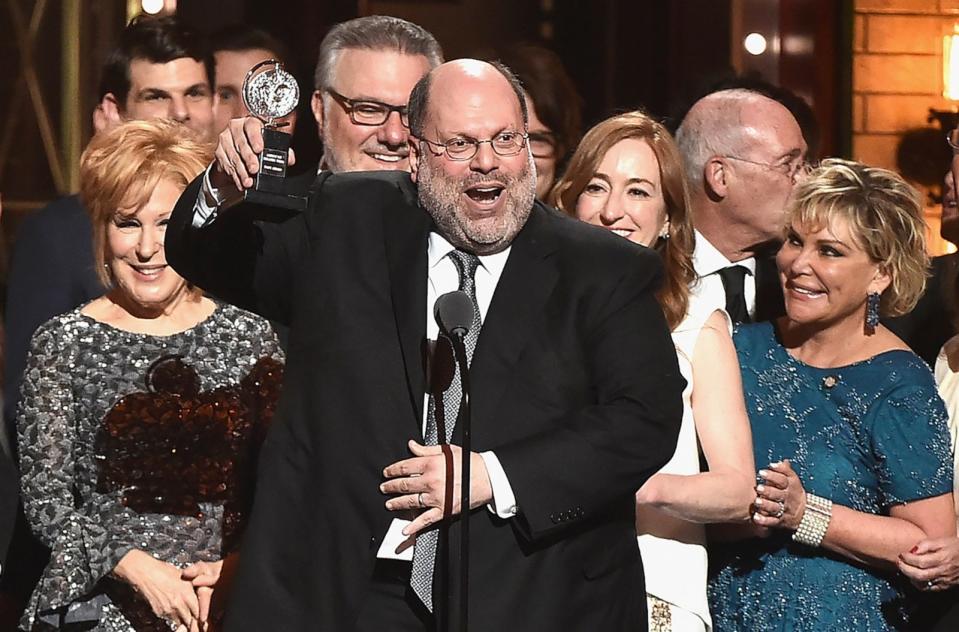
pixel 120 168
pixel 884 215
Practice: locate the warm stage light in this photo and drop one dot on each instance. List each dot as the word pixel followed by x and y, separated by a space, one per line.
pixel 152 6
pixel 755 44
pixel 950 66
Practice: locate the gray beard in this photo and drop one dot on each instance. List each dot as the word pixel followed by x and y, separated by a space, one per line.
pixel 440 196
pixel 327 160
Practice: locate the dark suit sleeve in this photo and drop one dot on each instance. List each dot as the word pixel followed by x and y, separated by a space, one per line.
pixel 274 567
pixel 246 256
pixel 9 497
pixel 607 450
pixel 51 272
pixel 930 324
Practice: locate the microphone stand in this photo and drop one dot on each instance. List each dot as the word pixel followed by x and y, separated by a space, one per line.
pixel 454 314
pixel 464 421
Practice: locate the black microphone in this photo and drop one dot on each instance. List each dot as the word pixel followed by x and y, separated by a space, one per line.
pixel 453 312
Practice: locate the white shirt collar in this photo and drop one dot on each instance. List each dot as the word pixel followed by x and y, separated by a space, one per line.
pixel 439 247
pixel 707 259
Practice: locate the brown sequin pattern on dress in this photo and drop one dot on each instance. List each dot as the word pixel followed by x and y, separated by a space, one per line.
pixel 136 441
pixel 170 449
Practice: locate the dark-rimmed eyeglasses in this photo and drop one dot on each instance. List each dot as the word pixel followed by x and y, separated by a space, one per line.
pixel 506 143
pixel 792 169
pixel 542 144
pixel 368 112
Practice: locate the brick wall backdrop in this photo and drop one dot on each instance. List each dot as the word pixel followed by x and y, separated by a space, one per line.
pixel 897 77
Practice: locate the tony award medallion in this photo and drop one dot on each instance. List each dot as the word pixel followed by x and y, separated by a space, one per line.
pixel 270 93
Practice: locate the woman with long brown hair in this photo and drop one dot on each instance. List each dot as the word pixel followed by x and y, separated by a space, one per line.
pixel 627 177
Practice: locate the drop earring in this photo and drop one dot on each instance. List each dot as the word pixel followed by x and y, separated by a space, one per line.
pixel 664 231
pixel 872 310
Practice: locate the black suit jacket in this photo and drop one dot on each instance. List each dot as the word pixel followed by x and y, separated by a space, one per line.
pixel 575 386
pixel 51 272
pixel 931 322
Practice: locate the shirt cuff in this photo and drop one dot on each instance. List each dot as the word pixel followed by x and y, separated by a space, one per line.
pixel 503 503
pixel 211 200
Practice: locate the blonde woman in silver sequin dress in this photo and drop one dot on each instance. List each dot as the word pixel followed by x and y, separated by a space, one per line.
pixel 141 413
pixel 847 426
pixel 627 176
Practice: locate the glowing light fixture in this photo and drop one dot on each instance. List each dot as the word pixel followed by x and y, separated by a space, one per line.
pixel 152 6
pixel 950 65
pixel 755 44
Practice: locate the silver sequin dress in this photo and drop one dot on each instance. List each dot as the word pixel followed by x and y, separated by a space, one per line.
pixel 137 441
pixel 868 436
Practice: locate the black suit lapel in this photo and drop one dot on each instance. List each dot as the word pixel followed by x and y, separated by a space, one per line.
pixel 407 239
pixel 526 283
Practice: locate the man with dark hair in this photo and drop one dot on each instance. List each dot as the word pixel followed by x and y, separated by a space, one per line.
pixel 158 70
pixel 575 385
pixel 237 49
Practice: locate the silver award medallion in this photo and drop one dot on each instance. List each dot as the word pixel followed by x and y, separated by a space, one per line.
pixel 269 91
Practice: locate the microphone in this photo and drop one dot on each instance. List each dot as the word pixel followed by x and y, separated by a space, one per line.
pixel 453 312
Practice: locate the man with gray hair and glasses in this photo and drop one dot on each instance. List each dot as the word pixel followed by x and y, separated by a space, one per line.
pixel 742 152
pixel 365 72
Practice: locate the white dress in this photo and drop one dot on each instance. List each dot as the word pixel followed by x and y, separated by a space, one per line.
pixel 948 383
pixel 675 558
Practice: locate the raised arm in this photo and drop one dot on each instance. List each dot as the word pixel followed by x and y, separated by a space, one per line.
pixel 245 255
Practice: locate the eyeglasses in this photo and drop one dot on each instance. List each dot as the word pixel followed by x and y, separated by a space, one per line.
pixel 366 112
pixel 792 169
pixel 542 144
pixel 952 139
pixel 460 148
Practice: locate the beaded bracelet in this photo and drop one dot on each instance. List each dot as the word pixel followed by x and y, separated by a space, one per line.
pixel 815 521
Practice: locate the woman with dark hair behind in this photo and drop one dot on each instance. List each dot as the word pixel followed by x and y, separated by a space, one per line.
pixel 142 412
pixel 554 105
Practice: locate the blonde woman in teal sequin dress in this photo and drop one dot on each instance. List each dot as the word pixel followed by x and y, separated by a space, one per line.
pixel 846 416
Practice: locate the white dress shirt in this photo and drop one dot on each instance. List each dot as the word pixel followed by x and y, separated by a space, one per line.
pixel 442 277
pixel 708 294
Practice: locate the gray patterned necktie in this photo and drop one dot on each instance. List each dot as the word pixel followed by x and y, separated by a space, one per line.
pixel 424 554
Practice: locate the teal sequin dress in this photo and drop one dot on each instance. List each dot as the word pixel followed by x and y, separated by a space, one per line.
pixel 868 436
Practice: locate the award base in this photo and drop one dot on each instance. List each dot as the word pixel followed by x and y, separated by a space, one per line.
pixel 269 184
